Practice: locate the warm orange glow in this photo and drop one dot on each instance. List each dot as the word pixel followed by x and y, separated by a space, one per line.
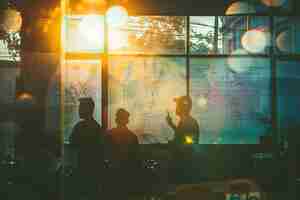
pixel 25 97
pixel 240 8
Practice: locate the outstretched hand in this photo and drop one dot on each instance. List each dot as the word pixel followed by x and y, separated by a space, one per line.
pixel 170 121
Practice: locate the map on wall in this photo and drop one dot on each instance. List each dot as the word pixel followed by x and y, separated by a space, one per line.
pixel 146 87
pixel 81 79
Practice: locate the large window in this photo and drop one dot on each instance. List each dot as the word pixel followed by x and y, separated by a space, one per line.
pixel 227 64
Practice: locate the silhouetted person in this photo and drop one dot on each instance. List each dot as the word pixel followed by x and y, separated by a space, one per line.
pixel 88 139
pixel 187 129
pixel 186 132
pixel 123 155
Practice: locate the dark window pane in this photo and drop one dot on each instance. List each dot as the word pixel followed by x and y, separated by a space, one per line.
pixel 83 33
pixel 231 99
pixel 288 80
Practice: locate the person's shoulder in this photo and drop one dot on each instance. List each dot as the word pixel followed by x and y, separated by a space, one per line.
pixel 79 125
pixel 193 120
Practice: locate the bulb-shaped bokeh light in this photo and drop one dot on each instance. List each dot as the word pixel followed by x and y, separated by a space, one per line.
pixel 284 42
pixel 240 8
pixel 25 96
pixel 11 21
pixel 273 3
pixel 255 41
pixel 116 16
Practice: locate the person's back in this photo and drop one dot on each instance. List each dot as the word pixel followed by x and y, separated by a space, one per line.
pixel 124 156
pixel 88 140
pixel 124 143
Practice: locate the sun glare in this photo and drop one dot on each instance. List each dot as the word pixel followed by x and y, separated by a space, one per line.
pixel 92 28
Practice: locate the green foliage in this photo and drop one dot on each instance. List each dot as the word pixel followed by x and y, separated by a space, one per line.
pixel 168 34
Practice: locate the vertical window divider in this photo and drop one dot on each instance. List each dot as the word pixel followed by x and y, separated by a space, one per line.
pixel 216 35
pixel 104 78
pixel 187 55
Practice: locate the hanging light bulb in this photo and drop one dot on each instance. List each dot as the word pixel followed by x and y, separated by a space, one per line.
pixel 11 21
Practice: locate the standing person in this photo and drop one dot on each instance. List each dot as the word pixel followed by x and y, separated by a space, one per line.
pixel 88 140
pixel 187 129
pixel 186 132
pixel 123 155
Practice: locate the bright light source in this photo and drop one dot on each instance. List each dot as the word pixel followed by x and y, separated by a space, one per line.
pixel 11 21
pixel 116 16
pixel 202 102
pixel 188 140
pixel 255 41
pixel 92 29
pixel 25 97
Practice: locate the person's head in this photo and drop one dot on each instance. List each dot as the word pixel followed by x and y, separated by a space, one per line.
pixel 183 105
pixel 122 117
pixel 86 108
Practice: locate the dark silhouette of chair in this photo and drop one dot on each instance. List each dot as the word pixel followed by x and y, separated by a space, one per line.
pixel 241 187
pixel 194 192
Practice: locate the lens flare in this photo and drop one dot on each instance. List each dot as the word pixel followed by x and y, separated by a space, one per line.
pixel 284 41
pixel 273 3
pixel 188 140
pixel 25 97
pixel 255 41
pixel 240 8
pixel 92 29
pixel 239 65
pixel 117 40
pixel 116 16
pixel 202 102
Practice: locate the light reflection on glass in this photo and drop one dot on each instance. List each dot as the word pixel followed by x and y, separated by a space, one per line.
pixel 273 3
pixel 240 8
pixel 256 40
